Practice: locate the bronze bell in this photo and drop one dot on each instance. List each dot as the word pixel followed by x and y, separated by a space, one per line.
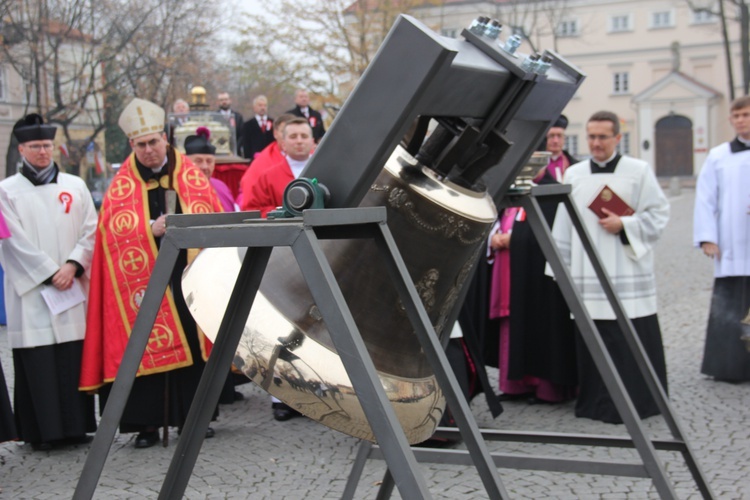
pixel 440 229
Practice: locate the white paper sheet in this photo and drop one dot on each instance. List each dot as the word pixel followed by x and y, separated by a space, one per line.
pixel 60 301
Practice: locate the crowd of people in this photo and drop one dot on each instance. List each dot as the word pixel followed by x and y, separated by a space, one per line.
pixel 74 279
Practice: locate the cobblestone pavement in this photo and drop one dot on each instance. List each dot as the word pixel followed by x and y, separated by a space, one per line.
pixel 253 456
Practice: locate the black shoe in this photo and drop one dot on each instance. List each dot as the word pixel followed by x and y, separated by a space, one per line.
pixel 75 440
pixel 533 400
pixel 440 442
pixel 238 396
pixel 282 412
pixel 514 397
pixel 210 432
pixel 146 439
pixel 43 446
pixel 728 380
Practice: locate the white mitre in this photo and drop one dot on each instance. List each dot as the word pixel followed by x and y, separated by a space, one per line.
pixel 140 118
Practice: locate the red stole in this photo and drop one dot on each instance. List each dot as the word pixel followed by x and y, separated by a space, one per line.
pixel 124 257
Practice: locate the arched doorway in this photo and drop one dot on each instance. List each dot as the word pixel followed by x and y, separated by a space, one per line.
pixel 674 146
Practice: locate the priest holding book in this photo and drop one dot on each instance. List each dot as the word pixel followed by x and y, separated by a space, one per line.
pixel 626 246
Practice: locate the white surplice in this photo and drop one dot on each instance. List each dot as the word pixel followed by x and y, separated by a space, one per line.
pixel 630 266
pixel 49 225
pixel 722 209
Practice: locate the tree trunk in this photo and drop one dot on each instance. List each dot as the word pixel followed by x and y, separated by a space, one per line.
pixel 727 50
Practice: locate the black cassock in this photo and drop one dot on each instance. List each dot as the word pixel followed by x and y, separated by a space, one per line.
pixel 7 423
pixel 542 338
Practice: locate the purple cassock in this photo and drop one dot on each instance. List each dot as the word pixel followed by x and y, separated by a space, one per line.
pixel 224 194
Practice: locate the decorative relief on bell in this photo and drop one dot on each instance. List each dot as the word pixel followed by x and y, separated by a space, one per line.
pixel 426 289
pixel 452 295
pixel 447 225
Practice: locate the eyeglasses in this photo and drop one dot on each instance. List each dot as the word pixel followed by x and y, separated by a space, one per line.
pixel 600 138
pixel 141 146
pixel 38 147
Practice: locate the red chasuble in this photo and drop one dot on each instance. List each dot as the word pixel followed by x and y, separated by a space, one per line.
pixel 124 257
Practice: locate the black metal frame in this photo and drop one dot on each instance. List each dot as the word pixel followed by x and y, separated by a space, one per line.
pixel 302 235
pixel 651 465
pixel 468 79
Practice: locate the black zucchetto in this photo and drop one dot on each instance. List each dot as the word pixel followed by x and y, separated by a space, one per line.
pixel 32 128
pixel 199 144
pixel 561 122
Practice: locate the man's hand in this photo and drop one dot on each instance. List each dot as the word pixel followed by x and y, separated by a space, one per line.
pixel 612 222
pixel 159 227
pixel 710 249
pixel 63 278
pixel 500 241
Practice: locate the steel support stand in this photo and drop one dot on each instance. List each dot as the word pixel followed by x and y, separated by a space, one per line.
pixel 596 346
pixel 650 466
pixel 259 237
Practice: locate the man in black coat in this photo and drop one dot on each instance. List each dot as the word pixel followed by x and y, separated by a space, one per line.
pixel 257 133
pixel 303 109
pixel 234 117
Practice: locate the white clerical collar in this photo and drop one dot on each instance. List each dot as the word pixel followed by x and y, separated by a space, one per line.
pixel 158 169
pixel 604 164
pixel 746 142
pixel 297 166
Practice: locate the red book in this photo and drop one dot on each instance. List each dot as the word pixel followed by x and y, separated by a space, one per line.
pixel 606 198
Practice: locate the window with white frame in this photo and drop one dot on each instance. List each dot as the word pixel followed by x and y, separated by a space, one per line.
pixel 620 22
pixel 571 144
pixel 621 82
pixel 662 19
pixel 624 146
pixel 703 17
pixel 568 28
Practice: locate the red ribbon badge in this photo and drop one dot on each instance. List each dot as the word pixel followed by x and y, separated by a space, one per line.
pixel 312 121
pixel 67 200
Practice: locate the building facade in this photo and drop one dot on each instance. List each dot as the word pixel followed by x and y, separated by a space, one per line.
pixel 65 87
pixel 658 64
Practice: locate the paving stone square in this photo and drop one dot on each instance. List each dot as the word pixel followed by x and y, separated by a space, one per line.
pixel 253 456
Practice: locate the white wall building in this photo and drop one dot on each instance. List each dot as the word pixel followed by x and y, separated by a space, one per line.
pixel 656 63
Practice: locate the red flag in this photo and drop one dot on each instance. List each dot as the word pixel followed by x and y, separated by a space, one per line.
pixel 99 163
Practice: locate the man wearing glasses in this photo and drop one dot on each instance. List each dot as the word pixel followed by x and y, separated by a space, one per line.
pixel 154 181
pixel 625 244
pixel 52 219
